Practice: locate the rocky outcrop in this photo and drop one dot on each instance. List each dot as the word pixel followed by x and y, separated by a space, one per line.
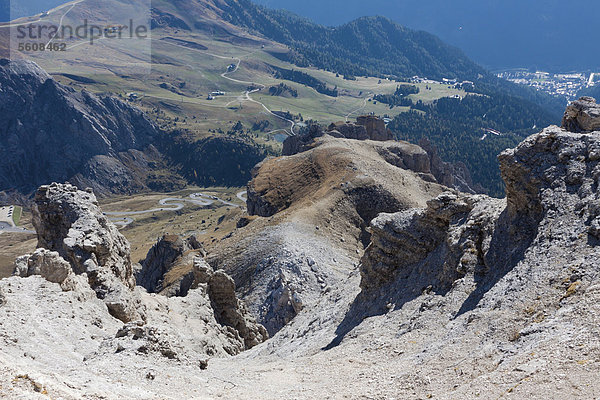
pixel 437 245
pixel 74 232
pixel 174 267
pixel 552 203
pixel 229 311
pixel 303 141
pixel 375 126
pixel 170 267
pixel 367 127
pixel 195 317
pixel 582 115
pixel 47 264
pixel 348 130
pixel 51 133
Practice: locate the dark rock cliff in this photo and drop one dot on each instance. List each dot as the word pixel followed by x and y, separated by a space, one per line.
pixel 50 132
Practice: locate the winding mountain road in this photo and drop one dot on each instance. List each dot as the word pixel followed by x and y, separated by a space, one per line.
pixel 245 96
pixel 124 218
pixel 243 196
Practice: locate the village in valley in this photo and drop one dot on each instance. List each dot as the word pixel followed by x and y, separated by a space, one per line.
pixel 565 84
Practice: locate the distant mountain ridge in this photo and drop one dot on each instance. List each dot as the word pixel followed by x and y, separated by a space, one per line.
pixel 498 34
pixel 374 46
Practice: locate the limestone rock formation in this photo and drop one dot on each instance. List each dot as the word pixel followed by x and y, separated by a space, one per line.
pixel 367 127
pixel 552 203
pixel 375 126
pixel 170 267
pixel 348 130
pixel 229 311
pixel 48 264
pixel 71 226
pixel 438 244
pixel 175 267
pixel 582 115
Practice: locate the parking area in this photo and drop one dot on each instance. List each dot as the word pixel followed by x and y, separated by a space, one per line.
pixel 6 216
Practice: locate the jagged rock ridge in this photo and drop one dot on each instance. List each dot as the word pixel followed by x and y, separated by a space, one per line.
pixel 71 226
pixel 83 252
pixel 368 127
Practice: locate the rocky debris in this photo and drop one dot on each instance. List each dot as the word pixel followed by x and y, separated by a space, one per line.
pixel 69 222
pixel 170 267
pixel 582 115
pixel 50 132
pixel 72 332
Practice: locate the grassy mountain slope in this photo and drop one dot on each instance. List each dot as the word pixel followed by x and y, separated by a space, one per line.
pixel 374 46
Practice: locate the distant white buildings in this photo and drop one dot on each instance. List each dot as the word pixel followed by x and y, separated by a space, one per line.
pixel 567 85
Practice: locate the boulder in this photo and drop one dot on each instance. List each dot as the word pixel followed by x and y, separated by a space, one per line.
pixel 582 115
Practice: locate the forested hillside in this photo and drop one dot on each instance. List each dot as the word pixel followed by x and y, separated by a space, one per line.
pixel 473 130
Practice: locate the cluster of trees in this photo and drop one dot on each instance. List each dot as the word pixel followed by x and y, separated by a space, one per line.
pixel 399 98
pixel 261 125
pixel 456 127
pixel 305 79
pixel 282 89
